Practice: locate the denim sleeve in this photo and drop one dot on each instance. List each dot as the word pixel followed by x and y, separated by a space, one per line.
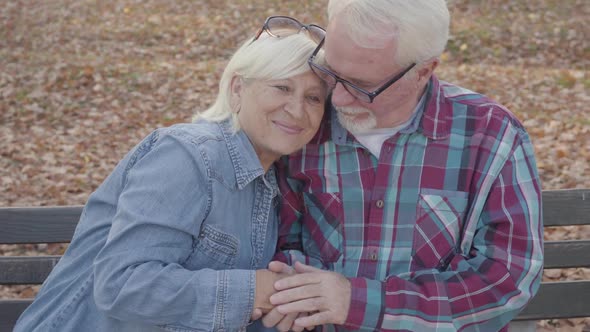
pixel 139 274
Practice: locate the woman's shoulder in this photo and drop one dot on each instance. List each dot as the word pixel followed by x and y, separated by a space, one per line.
pixel 207 141
pixel 197 133
pixel 201 142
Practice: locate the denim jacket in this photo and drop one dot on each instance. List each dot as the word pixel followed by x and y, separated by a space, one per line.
pixel 169 241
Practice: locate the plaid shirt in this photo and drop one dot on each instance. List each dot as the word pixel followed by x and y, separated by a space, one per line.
pixel 442 232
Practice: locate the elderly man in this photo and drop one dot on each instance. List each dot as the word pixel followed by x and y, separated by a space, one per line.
pixel 417 206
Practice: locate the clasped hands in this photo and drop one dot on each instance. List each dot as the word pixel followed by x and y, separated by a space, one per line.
pixel 300 297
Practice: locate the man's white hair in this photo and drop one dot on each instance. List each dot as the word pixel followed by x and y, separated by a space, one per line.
pixel 421 27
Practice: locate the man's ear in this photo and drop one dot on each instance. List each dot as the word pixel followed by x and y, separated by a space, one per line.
pixel 426 70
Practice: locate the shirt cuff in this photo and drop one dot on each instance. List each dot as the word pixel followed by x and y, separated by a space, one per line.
pixel 235 299
pixel 366 302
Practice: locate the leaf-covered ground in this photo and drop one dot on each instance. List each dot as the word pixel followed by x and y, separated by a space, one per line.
pixel 82 81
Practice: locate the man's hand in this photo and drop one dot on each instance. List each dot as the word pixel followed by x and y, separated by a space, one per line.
pixel 274 318
pixel 313 290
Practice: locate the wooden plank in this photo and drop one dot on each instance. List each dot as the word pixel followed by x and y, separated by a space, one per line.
pixel 10 310
pixel 567 254
pixel 566 207
pixel 568 299
pixel 26 270
pixel 57 224
pixel 556 300
pixel 38 224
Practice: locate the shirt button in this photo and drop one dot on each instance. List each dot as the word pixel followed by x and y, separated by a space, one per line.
pixel 373 256
pixel 379 204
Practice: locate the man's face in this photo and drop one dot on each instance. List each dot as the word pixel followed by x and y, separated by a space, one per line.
pixel 368 68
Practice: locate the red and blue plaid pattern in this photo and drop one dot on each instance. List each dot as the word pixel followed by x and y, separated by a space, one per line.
pixel 441 233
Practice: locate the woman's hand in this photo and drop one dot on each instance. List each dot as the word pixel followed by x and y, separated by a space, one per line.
pixel 274 318
pixel 265 280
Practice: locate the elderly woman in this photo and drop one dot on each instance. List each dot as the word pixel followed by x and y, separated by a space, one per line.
pixel 177 238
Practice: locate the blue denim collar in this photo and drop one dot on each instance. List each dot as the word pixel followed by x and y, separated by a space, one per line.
pixel 244 159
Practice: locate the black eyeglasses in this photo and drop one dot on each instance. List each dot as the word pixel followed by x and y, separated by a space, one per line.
pixel 359 93
pixel 282 26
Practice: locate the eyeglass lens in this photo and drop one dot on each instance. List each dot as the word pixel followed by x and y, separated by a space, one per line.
pixel 331 80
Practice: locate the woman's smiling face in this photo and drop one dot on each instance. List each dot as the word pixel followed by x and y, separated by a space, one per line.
pixel 280 116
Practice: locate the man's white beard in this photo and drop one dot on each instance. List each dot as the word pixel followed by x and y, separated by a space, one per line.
pixel 354 124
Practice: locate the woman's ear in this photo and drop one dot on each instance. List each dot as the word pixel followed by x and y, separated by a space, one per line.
pixel 236 86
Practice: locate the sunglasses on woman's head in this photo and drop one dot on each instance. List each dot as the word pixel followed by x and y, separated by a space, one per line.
pixel 282 26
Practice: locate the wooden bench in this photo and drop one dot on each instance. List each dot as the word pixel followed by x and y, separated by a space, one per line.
pixel 561 299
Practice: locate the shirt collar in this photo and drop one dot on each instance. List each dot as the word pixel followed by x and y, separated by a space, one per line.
pixel 437 115
pixel 246 164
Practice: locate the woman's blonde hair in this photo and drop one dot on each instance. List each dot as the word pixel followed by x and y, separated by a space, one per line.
pixel 267 58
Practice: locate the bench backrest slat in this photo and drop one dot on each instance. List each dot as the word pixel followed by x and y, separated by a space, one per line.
pixel 35 269
pixel 19 270
pixel 10 310
pixel 567 254
pixel 57 224
pixel 555 300
pixel 38 224
pixel 566 207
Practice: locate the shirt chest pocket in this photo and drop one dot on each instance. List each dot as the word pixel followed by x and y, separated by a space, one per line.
pixel 213 249
pixel 436 235
pixel 322 228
